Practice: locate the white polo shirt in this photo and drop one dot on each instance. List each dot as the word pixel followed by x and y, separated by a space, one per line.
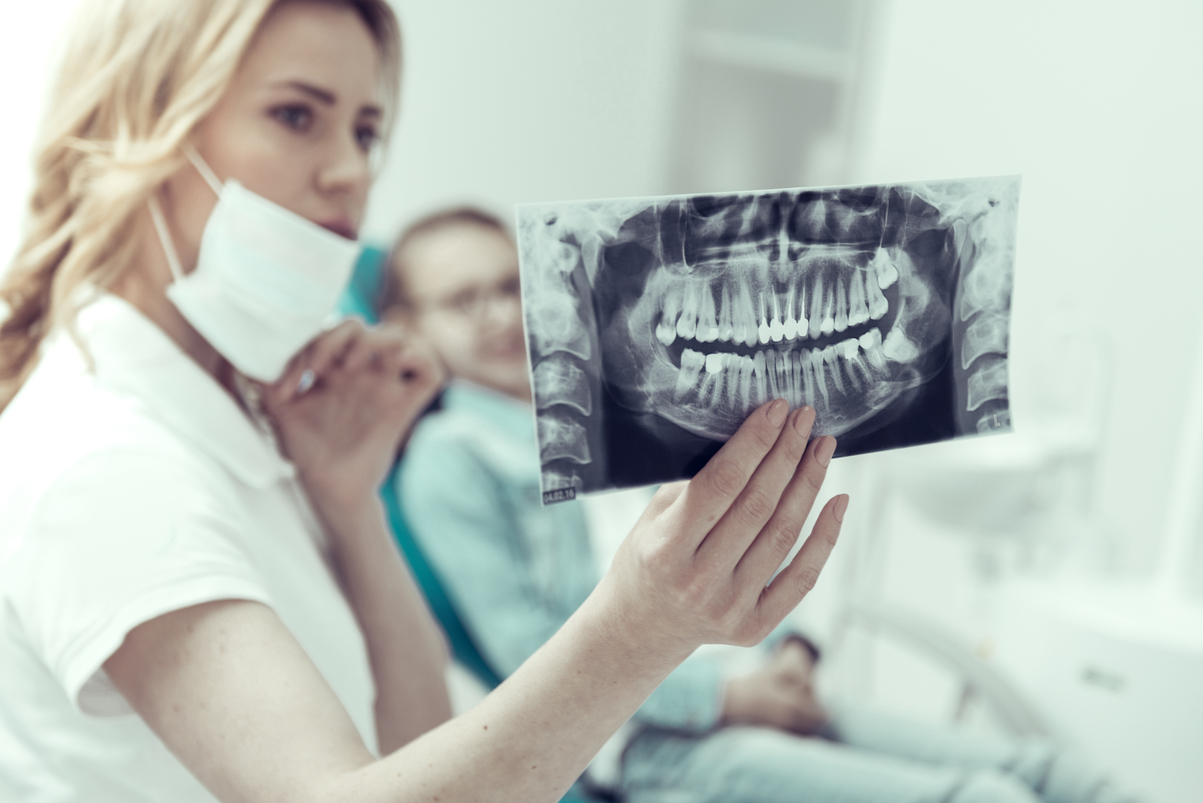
pixel 126 492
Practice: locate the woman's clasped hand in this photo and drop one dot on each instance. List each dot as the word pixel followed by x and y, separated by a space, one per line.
pixel 345 402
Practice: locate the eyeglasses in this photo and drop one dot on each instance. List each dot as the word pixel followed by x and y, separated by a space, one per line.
pixel 474 302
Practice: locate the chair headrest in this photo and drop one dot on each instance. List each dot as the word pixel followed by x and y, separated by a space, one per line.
pixel 363 290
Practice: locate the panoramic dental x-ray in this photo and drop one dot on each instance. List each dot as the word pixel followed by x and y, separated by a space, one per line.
pixel 656 325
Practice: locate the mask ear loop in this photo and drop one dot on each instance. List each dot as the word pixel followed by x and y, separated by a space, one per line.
pixel 203 168
pixel 173 259
pixel 156 212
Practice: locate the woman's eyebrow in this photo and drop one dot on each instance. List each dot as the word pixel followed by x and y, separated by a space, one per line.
pixel 324 96
pixel 328 98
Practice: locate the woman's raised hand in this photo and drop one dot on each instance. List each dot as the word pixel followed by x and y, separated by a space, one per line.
pixel 697 567
pixel 344 404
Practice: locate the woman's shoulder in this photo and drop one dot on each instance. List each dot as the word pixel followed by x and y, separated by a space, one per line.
pixel 67 429
pixel 125 392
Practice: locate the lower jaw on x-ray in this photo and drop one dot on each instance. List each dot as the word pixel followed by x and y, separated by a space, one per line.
pixel 657 325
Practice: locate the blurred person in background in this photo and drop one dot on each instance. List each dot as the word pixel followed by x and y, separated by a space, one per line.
pixel 199 597
pixel 516 571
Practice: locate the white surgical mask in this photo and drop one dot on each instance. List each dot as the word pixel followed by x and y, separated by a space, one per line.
pixel 266 280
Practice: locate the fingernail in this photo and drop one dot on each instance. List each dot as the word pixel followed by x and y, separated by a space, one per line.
pixel 805 419
pixel 777 411
pixel 825 450
pixel 840 507
pixel 305 382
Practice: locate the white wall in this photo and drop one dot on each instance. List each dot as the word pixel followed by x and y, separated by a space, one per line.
pixel 1098 106
pixel 534 101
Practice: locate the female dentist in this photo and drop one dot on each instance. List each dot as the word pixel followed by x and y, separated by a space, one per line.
pixel 200 598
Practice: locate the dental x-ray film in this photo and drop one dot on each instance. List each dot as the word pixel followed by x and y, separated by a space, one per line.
pixel 656 325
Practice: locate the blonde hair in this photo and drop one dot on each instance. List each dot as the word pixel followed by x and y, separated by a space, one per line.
pixel 136 78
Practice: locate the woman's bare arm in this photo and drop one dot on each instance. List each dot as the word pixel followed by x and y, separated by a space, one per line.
pixel 368 386
pixel 406 648
pixel 231 693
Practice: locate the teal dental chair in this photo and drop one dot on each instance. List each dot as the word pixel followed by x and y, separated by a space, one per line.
pixel 359 300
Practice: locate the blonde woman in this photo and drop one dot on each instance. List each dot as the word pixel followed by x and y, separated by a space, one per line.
pixel 199 596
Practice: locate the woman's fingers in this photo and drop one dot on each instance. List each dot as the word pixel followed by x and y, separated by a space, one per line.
pixel 412 376
pixel 369 349
pixel 721 481
pixel 410 363
pixel 388 349
pixel 351 352
pixel 778 536
pixel 761 497
pixel 799 577
pixel 330 348
pixel 315 360
pixel 699 561
pixel 664 497
pixel 351 349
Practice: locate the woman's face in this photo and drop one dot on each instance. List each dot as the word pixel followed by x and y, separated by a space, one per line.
pixel 297 124
pixel 462 282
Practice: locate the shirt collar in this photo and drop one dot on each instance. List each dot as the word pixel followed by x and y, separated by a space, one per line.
pixel 133 356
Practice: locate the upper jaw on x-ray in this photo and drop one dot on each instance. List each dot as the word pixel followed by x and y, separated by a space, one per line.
pixel 711 306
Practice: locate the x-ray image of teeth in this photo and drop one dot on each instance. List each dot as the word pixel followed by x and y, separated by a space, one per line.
pixel 656 325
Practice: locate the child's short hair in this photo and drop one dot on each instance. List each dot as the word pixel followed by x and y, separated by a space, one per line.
pixel 392 288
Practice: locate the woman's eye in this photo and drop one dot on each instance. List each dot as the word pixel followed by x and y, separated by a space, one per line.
pixel 367 137
pixel 297 118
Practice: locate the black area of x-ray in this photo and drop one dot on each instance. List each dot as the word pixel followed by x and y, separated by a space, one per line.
pixel 656 325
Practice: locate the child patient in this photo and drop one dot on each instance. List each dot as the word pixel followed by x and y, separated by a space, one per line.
pixel 469 487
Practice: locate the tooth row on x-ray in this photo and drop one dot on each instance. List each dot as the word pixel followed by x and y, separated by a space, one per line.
pixel 791 374
pixel 735 313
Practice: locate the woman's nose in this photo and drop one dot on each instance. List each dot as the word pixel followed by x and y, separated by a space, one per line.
pixel 347 169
